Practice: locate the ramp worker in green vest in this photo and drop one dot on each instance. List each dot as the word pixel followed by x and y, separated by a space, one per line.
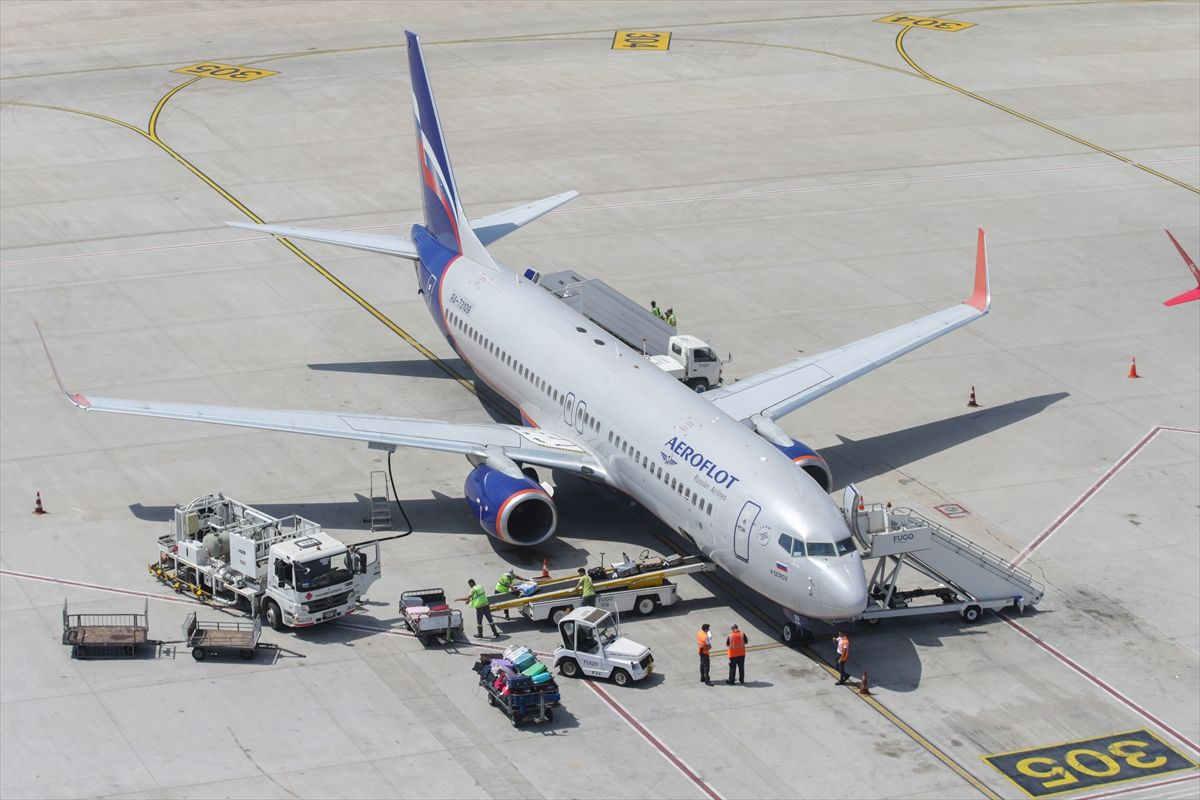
pixel 655 310
pixel 508 585
pixel 478 600
pixel 586 589
pixel 670 318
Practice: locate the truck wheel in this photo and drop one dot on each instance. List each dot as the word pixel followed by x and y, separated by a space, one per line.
pixel 698 385
pixel 646 605
pixel 198 653
pixel 516 721
pixel 972 613
pixel 557 614
pixel 273 614
pixel 491 699
pixel 569 668
pixel 621 678
pixel 246 653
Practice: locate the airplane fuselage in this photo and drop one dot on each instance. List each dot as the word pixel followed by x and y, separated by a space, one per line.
pixel 734 494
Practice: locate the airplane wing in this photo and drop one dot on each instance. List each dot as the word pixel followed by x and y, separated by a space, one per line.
pixel 488 229
pixel 782 390
pixel 521 444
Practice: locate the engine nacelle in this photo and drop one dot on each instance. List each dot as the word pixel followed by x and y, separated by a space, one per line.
pixel 801 454
pixel 509 505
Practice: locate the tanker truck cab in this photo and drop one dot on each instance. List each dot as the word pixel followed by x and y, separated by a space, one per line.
pixel 592 646
pixel 316 578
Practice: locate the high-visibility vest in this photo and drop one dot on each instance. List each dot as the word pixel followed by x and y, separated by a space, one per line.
pixel 737 644
pixel 843 648
pixel 702 642
pixel 585 583
pixel 671 320
pixel 505 583
pixel 478 597
pixel 656 311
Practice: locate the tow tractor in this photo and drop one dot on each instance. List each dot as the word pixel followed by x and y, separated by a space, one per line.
pixel 229 554
pixel 594 647
pixel 643 586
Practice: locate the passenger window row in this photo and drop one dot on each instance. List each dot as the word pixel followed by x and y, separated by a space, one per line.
pixel 590 421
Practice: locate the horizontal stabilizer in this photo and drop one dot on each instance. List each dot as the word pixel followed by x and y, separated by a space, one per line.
pixel 374 242
pixel 494 226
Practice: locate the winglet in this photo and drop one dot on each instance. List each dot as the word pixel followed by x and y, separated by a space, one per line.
pixel 981 298
pixel 77 399
pixel 1183 254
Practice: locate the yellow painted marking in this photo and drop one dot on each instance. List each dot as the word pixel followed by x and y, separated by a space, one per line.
pixel 908 60
pixel 226 72
pixel 1089 763
pixel 641 40
pixel 926 23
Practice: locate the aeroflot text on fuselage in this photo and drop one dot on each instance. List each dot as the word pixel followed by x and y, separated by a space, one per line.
pixel 681 448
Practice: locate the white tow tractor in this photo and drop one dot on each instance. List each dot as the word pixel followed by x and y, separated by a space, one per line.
pixel 230 554
pixel 593 647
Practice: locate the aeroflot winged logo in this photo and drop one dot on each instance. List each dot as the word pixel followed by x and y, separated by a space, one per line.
pixel 687 454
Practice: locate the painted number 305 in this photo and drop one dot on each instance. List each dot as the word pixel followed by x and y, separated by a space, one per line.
pixel 1071 766
pixel 226 72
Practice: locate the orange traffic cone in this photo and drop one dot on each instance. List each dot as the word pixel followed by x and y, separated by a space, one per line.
pixel 971 403
pixel 862 506
pixel 1133 369
pixel 864 687
pixel 37 506
pixel 545 568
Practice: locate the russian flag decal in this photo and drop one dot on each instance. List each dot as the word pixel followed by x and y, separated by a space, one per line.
pixel 782 567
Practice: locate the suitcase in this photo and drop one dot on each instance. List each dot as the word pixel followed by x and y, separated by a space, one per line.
pixel 524 662
pixel 527 589
pixel 515 651
pixel 625 569
pixel 520 682
pixel 537 669
pixel 651 564
pixel 597 573
pixel 542 677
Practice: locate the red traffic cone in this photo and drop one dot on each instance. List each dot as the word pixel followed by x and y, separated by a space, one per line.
pixel 37 506
pixel 862 506
pixel 1133 369
pixel 864 687
pixel 545 568
pixel 971 403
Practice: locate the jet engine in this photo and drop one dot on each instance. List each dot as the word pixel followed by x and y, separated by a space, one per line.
pixel 508 504
pixel 801 454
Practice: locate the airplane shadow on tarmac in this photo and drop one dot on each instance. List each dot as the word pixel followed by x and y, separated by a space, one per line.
pixel 853 461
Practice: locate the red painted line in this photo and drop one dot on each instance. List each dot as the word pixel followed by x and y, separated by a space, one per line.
pixel 1143 787
pixel 1100 683
pixel 1095 487
pixel 98 587
pixel 675 760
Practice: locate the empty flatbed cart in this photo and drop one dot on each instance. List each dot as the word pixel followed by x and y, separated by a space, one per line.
pixel 221 637
pixel 105 635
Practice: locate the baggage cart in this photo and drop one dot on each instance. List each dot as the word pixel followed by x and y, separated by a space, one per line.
pixel 105 635
pixel 221 638
pixel 534 704
pixel 427 615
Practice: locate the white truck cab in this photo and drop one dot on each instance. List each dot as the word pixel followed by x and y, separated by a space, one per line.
pixel 592 646
pixel 689 359
pixel 316 578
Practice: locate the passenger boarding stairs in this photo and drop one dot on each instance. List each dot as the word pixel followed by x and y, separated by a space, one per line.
pixel 381 506
pixel 971 578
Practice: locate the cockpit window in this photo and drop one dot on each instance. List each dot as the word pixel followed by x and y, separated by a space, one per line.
pixel 793 547
pixel 785 542
pixel 845 546
pixel 825 549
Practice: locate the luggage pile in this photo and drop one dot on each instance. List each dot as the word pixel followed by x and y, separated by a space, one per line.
pixel 519 684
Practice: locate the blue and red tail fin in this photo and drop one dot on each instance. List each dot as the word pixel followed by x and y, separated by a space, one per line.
pixel 444 217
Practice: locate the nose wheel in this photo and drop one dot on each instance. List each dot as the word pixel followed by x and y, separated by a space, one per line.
pixel 795 636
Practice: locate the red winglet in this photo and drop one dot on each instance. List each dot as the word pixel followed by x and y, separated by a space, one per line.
pixel 1186 258
pixel 80 400
pixel 982 296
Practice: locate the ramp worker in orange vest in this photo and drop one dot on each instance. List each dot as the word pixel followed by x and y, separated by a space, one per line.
pixel 736 642
pixel 704 644
pixel 843 655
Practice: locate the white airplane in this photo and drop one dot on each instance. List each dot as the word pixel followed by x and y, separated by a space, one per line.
pixel 715 466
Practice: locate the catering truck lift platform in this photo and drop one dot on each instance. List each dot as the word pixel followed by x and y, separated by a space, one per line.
pixel 968 578
pixel 643 586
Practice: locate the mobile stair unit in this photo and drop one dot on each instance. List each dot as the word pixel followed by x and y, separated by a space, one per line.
pixel 970 579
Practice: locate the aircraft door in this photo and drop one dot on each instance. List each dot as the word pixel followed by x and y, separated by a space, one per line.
pixel 850 498
pixel 741 530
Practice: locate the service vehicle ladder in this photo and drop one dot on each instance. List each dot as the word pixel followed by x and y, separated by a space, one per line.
pixel 972 578
pixel 559 588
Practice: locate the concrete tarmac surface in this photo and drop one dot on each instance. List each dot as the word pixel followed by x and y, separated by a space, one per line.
pixel 789 177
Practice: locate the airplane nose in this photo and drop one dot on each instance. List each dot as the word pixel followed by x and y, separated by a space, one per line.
pixel 844 590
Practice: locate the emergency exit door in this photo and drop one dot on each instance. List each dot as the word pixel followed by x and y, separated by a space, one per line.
pixel 741 530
